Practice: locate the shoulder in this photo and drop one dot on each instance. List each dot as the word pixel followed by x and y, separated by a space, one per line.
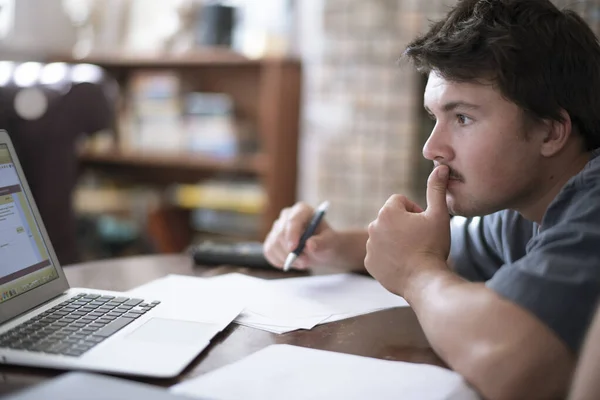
pixel 501 237
pixel 578 201
pixel 558 278
pixel 591 173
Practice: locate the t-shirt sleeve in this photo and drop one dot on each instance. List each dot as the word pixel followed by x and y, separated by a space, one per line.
pixel 472 252
pixel 481 245
pixel 558 280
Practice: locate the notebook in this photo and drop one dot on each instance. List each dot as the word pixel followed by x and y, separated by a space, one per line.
pixel 46 323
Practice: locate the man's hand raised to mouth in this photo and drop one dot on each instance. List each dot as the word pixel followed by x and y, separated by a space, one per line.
pixel 404 240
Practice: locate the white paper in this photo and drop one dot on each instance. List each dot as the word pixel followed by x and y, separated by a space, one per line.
pixel 268 300
pixel 250 317
pixel 291 372
pixel 264 308
pixel 281 305
pixel 330 297
pixel 350 294
pixel 201 303
pixel 339 317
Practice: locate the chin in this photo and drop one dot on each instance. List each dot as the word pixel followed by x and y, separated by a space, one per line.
pixel 451 207
pixel 458 208
pixel 470 209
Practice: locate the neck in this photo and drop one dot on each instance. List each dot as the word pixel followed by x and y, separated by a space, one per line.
pixel 553 184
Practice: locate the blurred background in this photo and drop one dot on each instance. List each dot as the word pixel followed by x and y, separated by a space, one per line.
pixel 145 126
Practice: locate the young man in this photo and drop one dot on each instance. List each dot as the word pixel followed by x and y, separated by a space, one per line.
pixel 514 87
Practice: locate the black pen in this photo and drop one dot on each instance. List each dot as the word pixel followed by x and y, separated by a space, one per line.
pixel 310 229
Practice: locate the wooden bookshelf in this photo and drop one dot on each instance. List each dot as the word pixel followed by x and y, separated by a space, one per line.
pixel 266 92
pixel 167 168
pixel 202 57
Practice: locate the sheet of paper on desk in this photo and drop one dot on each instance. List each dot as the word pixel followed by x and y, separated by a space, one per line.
pixel 264 308
pixel 334 297
pixel 344 295
pixel 223 310
pixel 284 305
pixel 269 300
pixel 292 372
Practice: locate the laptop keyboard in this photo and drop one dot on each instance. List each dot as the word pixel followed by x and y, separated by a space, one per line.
pixel 76 325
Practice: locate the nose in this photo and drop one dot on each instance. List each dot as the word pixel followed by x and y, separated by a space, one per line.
pixel 438 146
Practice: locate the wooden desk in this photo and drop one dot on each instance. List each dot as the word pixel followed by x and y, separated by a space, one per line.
pixel 392 334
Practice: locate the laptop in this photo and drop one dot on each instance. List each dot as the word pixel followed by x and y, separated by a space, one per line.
pixel 45 323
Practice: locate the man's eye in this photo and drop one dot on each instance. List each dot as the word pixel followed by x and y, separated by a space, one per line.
pixel 431 117
pixel 462 119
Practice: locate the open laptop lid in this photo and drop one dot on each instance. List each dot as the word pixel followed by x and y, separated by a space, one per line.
pixel 29 270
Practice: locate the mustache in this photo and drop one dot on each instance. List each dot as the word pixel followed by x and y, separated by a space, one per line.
pixel 454 174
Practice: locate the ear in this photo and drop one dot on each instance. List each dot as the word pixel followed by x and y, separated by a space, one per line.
pixel 557 133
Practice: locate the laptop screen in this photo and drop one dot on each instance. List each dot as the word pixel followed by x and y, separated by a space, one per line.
pixel 24 260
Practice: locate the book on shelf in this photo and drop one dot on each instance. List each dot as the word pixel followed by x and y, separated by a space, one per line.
pixel 247 197
pixel 223 207
pixel 161 114
pixel 210 124
pixel 152 119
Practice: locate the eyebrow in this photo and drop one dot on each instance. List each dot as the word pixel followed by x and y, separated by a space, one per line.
pixel 454 105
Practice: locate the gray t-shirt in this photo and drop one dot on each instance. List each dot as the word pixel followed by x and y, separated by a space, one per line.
pixel 554 272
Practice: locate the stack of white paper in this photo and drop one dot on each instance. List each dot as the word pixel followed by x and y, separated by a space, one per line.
pixel 291 372
pixel 283 305
pixel 344 295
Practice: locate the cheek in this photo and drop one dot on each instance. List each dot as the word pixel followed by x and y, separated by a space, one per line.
pixel 492 183
pixel 490 156
pixel 497 172
pixel 481 166
pixel 496 165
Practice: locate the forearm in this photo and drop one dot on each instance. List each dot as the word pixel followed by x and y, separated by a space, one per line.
pixel 586 384
pixel 501 349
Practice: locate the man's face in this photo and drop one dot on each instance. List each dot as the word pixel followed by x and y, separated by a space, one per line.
pixel 493 155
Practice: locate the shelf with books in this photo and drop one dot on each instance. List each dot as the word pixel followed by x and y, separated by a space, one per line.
pixel 165 135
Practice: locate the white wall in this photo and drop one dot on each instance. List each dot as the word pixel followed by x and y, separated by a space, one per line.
pixel 40 27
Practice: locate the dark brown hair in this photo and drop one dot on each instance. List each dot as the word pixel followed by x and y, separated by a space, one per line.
pixel 541 58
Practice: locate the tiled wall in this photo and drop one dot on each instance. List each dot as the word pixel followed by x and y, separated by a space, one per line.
pixel 363 126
